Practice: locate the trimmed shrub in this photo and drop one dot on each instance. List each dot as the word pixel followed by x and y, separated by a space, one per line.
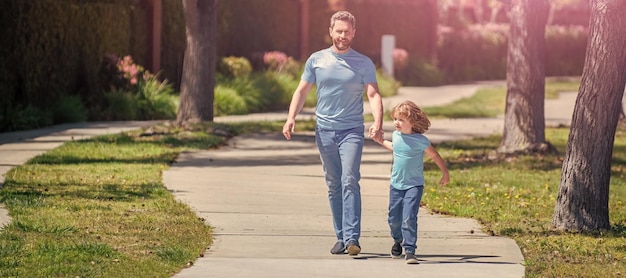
pixel 228 102
pixel 121 105
pixel 69 109
pixel 475 53
pixel 419 72
pixel 565 53
pixel 234 67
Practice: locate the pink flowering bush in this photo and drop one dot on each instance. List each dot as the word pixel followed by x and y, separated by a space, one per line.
pixel 129 70
pixel 275 60
pixel 137 94
pixel 400 59
pixel 279 62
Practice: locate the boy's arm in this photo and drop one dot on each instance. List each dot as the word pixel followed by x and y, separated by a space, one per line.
pixel 385 143
pixel 434 155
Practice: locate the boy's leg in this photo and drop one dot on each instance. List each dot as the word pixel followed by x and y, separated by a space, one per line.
pixel 395 220
pixel 395 213
pixel 410 204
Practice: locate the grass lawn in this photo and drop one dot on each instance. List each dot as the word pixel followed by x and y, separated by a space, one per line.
pixel 98 207
pixel 516 199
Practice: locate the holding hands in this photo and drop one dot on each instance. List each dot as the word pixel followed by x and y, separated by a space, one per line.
pixel 376 134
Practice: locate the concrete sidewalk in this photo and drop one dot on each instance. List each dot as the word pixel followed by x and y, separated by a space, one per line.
pixel 267 201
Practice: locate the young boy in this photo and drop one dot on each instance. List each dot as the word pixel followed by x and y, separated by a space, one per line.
pixel 407 175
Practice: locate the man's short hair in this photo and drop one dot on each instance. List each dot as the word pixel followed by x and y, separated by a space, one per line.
pixel 343 16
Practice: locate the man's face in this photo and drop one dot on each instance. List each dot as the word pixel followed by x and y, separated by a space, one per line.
pixel 342 34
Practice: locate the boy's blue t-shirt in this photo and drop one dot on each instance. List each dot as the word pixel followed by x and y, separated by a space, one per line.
pixel 340 80
pixel 408 160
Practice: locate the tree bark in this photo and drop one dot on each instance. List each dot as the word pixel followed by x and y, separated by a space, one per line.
pixel 524 121
pixel 583 197
pixel 198 77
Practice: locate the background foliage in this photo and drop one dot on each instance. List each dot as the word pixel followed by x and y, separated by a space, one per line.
pixel 55 49
pixel 54 53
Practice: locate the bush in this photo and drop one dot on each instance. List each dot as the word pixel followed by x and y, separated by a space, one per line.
pixel 279 62
pixel 276 89
pixel 234 67
pixel 475 53
pixel 24 117
pixel 137 94
pixel 228 102
pixel 157 98
pixel 419 72
pixel 69 109
pixel 246 88
pixel 565 52
pixel 479 52
pixel 387 85
pixel 121 105
pixel 242 91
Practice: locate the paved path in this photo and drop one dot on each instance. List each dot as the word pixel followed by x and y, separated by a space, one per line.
pixel 266 199
pixel 268 203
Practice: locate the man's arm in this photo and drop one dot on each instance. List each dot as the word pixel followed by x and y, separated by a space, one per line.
pixel 376 103
pixel 297 102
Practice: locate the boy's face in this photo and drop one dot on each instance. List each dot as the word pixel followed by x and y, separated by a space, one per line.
pixel 402 124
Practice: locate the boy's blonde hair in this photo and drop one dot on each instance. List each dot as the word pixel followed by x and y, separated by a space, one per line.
pixel 418 119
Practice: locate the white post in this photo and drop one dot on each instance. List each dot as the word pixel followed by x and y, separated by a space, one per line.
pixel 386 52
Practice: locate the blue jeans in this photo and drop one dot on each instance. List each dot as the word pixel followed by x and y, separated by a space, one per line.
pixel 403 208
pixel 340 152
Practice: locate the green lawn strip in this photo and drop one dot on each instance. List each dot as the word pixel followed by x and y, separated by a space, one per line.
pixel 490 102
pixel 516 198
pixel 98 207
pixel 485 103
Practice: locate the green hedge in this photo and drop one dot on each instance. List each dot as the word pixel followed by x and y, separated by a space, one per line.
pixel 479 52
pixel 57 48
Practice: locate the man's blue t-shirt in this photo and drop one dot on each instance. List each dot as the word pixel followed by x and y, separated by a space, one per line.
pixel 408 160
pixel 340 80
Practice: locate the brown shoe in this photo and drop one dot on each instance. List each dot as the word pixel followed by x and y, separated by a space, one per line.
pixel 353 248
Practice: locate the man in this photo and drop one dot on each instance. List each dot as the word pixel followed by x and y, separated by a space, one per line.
pixel 341 75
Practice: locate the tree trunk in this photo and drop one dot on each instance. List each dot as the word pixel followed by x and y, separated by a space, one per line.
pixel 583 198
pixel 524 121
pixel 198 77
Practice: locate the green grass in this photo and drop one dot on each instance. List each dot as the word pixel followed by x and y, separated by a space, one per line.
pixel 486 103
pixel 98 207
pixel 490 101
pixel 516 199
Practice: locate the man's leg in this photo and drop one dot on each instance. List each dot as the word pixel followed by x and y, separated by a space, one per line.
pixel 331 163
pixel 351 150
